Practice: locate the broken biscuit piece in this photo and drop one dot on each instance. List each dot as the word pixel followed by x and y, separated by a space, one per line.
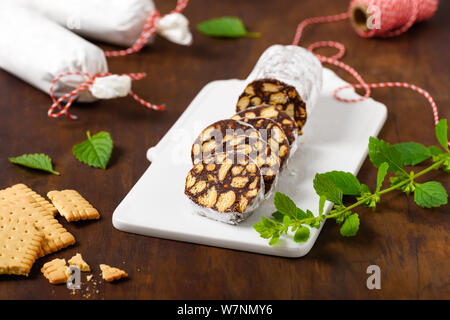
pixel 72 206
pixel 56 271
pixel 274 92
pixel 226 187
pixel 218 136
pixel 77 260
pixel 111 274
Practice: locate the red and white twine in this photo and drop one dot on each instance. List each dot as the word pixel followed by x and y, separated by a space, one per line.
pixel 61 105
pixel 396 17
pixel 149 29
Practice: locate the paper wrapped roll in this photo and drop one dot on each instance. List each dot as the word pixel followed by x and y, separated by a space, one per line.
pixel 117 22
pixel 36 50
pixel 279 70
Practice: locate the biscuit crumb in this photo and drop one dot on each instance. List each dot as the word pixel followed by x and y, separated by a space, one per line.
pixel 56 271
pixel 77 260
pixel 111 274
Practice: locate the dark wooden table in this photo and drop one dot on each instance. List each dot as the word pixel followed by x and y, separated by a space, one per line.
pixel 411 245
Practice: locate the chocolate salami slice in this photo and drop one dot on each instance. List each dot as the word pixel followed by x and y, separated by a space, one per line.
pixel 225 187
pixel 274 135
pixel 216 137
pixel 286 122
pixel 274 92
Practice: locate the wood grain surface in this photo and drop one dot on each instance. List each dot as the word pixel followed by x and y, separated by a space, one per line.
pixel 410 244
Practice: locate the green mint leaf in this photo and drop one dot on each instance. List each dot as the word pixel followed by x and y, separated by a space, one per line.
pixel 381 151
pixel 37 161
pixel 326 188
pixel 365 189
pixel 430 194
pixel 226 27
pixel 345 181
pixel 274 239
pixel 265 231
pixel 286 221
pixel 304 215
pixel 321 204
pixel 441 133
pixel 302 234
pixel 278 216
pixel 435 151
pixel 350 226
pixel 268 223
pixel 412 153
pixel 95 151
pixel 284 204
pixel 382 171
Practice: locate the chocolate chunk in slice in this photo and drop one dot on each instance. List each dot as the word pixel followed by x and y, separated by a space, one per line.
pixel 225 187
pixel 286 122
pixel 273 135
pixel 274 92
pixel 216 137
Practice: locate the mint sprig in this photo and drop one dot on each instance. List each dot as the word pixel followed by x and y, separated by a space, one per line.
pixel 95 151
pixel 37 161
pixel 225 27
pixel 332 186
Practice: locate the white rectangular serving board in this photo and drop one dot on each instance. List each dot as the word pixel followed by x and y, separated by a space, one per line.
pixel 335 138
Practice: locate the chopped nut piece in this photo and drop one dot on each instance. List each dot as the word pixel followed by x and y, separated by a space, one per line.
pixel 254 183
pixel 209 199
pixel 271 87
pixel 199 187
pixel 190 180
pixel 239 182
pixel 237 170
pixel 226 200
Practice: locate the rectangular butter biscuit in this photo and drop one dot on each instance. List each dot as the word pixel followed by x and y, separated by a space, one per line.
pixel 20 241
pixel 56 237
pixel 20 190
pixel 72 206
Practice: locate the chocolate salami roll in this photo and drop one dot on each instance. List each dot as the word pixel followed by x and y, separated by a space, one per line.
pixel 226 187
pixel 215 138
pixel 293 66
pixel 274 92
